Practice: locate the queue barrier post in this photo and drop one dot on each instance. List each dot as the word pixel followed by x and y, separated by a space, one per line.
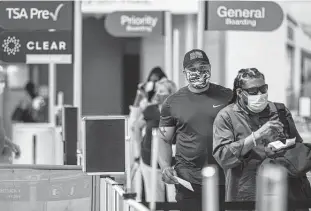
pixel 271 189
pixel 116 199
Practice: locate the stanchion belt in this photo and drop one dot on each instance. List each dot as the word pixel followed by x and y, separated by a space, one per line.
pixel 233 205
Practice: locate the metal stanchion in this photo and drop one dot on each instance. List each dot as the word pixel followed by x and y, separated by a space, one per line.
pixel 201 21
pixel 168 44
pixel 103 197
pixel 77 64
pixel 115 198
pixel 52 93
pixel 109 198
pixel 176 47
pixel 154 167
pixel 136 205
pixel 210 193
pixel 271 189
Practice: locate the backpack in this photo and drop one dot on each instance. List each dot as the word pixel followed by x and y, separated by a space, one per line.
pixel 281 110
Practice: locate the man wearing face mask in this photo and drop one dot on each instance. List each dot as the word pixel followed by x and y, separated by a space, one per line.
pixel 243 133
pixel 6 145
pixel 187 120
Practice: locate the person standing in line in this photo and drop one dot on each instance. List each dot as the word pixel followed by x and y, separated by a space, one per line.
pixel 144 94
pixel 187 119
pixel 6 145
pixel 151 118
pixel 248 134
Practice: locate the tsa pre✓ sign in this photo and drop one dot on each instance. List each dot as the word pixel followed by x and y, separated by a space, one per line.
pixel 36 15
pixel 21 47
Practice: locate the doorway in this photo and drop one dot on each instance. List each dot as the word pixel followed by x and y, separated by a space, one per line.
pixel 131 72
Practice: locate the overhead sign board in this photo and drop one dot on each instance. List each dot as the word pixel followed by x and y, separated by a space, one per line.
pixel 135 23
pixel 36 15
pixel 243 16
pixel 36 47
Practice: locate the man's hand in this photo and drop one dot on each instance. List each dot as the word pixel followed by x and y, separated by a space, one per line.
pixel 17 150
pixel 168 176
pixel 14 147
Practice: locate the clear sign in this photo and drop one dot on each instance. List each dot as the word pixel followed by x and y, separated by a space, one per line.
pixel 243 16
pixel 17 47
pixel 134 23
pixel 37 15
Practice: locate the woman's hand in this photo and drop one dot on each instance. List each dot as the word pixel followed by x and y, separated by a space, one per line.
pixel 271 131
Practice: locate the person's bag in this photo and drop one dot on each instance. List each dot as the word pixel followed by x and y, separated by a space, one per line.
pixel 297 158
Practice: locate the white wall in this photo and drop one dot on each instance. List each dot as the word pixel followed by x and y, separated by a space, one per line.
pixel 152 48
pixel 214 47
pixel 152 51
pixel 301 42
pixel 175 6
pixel 263 50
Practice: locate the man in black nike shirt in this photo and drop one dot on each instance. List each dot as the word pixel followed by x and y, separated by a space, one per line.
pixel 187 118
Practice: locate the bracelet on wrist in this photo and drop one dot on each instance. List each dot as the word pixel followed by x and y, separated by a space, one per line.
pixel 254 139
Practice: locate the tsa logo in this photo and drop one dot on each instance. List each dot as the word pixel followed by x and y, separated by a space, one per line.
pixel 11 45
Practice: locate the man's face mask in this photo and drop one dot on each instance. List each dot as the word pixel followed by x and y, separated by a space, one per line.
pixel 198 77
pixel 255 101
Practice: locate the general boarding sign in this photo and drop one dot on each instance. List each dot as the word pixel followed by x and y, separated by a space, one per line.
pixel 243 16
pixel 36 15
pixel 37 47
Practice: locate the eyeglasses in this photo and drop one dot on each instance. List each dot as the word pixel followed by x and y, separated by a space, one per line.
pixel 254 90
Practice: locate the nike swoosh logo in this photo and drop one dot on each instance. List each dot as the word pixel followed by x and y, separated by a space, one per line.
pixel 215 106
pixel 55 14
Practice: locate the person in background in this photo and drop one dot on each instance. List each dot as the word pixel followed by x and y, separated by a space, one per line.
pixel 151 118
pixel 244 135
pixel 187 118
pixel 146 90
pixel 7 147
pixel 144 94
pixel 29 107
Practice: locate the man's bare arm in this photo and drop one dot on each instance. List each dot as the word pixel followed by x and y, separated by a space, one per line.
pixel 165 136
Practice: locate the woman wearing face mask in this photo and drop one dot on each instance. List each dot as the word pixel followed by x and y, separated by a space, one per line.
pixel 243 133
pixel 151 118
pixel 145 90
pixel 144 94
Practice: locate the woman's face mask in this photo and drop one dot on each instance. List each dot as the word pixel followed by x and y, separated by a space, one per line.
pixel 198 77
pixel 256 103
pixel 149 86
pixel 161 94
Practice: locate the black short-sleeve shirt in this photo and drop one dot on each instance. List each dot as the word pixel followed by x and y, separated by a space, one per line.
pixel 192 115
pixel 152 118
